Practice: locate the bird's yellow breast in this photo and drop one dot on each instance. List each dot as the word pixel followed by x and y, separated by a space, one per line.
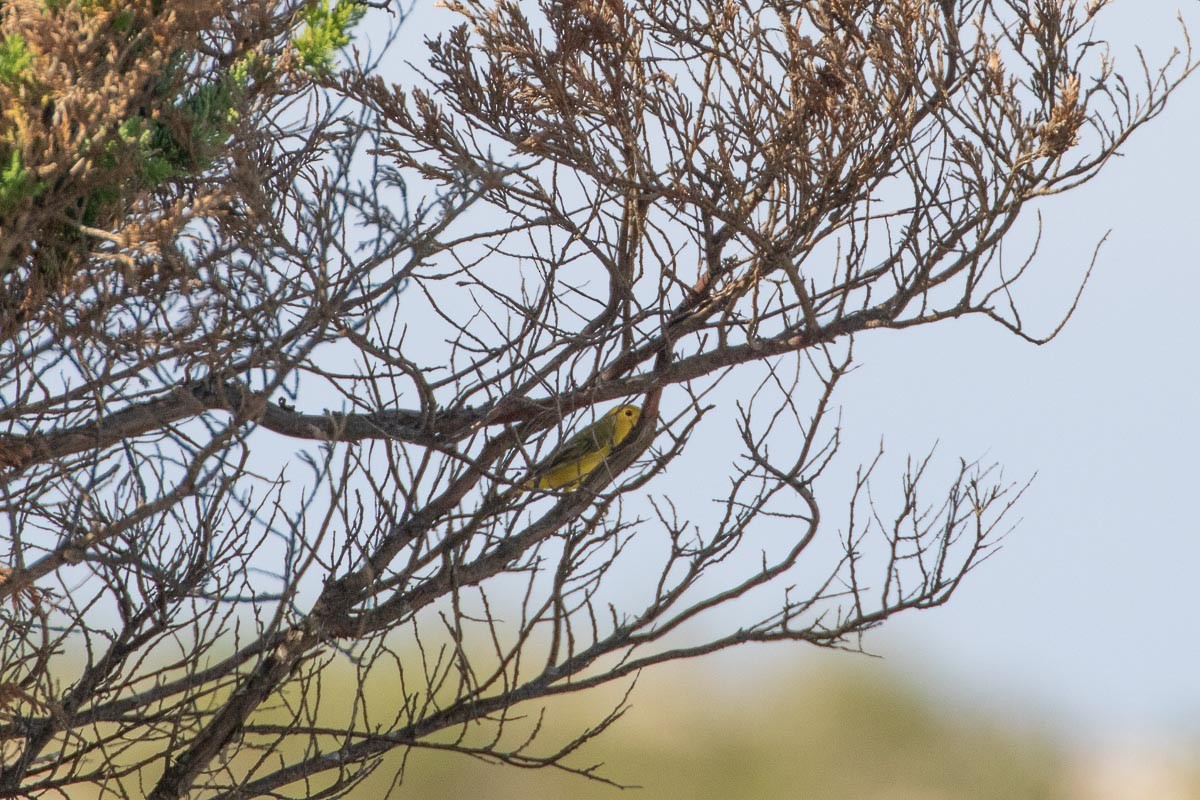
pixel 568 476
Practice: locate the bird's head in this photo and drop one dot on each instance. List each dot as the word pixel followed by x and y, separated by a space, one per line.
pixel 626 414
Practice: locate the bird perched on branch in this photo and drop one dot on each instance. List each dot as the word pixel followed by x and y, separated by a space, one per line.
pixel 577 457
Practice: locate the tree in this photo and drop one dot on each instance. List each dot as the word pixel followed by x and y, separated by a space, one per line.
pixel 209 231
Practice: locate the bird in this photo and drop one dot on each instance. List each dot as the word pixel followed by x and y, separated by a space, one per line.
pixel 580 455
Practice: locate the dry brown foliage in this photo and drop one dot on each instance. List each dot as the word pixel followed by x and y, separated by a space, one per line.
pixel 108 82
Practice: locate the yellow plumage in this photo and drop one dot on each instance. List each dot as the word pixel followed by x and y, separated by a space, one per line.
pixel 576 458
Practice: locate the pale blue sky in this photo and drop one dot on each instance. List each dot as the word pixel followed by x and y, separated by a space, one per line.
pixel 1091 610
pixel 1087 619
pixel 1089 614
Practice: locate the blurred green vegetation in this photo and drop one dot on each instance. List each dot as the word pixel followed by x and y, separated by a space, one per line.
pixel 849 729
pixel 851 734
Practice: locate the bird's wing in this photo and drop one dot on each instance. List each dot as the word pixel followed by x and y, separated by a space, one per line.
pixel 594 437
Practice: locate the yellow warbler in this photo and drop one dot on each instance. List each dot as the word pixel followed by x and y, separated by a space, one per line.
pixel 577 457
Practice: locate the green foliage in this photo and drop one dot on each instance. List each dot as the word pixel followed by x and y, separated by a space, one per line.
pixel 17 183
pixel 244 69
pixel 15 60
pixel 177 130
pixel 136 138
pixel 123 22
pixel 207 115
pixel 326 31
pixel 157 152
pixel 209 110
pixel 99 201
